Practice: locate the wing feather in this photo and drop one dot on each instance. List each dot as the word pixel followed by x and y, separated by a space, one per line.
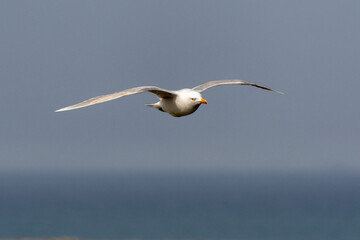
pixel 159 92
pixel 211 84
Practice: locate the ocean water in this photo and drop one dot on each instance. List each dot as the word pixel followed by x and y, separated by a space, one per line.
pixel 175 205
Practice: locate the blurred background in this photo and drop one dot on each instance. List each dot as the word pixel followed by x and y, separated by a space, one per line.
pixel 246 143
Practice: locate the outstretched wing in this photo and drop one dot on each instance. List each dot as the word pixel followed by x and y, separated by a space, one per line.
pixel 210 84
pixel 161 93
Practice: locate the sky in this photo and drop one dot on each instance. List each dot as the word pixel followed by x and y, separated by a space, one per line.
pixel 58 53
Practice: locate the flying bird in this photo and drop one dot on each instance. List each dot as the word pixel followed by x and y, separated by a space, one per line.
pixel 176 103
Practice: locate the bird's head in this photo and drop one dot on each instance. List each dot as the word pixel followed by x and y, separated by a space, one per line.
pixel 191 97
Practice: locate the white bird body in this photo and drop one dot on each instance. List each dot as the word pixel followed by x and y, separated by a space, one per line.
pixel 177 103
pixel 186 102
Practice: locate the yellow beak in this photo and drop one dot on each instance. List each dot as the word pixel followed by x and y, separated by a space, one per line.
pixel 203 101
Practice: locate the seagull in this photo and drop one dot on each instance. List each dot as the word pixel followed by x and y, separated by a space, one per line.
pixel 176 103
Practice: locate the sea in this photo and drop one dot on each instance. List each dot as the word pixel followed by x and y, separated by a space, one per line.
pixel 256 205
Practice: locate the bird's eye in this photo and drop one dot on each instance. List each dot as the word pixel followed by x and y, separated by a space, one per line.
pixel 193 99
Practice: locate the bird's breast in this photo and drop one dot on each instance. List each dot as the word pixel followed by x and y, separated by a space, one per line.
pixel 178 108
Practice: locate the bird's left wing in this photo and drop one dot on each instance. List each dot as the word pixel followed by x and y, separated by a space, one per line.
pixel 210 84
pixel 161 93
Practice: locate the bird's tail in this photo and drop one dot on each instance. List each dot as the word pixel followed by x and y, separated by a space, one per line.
pixel 155 105
pixel 152 105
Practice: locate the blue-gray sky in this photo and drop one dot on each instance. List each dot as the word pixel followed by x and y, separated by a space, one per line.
pixel 57 53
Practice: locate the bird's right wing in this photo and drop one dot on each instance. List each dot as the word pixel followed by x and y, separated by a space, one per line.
pixel 159 92
pixel 211 84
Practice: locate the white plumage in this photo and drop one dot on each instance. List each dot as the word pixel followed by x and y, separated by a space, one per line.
pixel 177 103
